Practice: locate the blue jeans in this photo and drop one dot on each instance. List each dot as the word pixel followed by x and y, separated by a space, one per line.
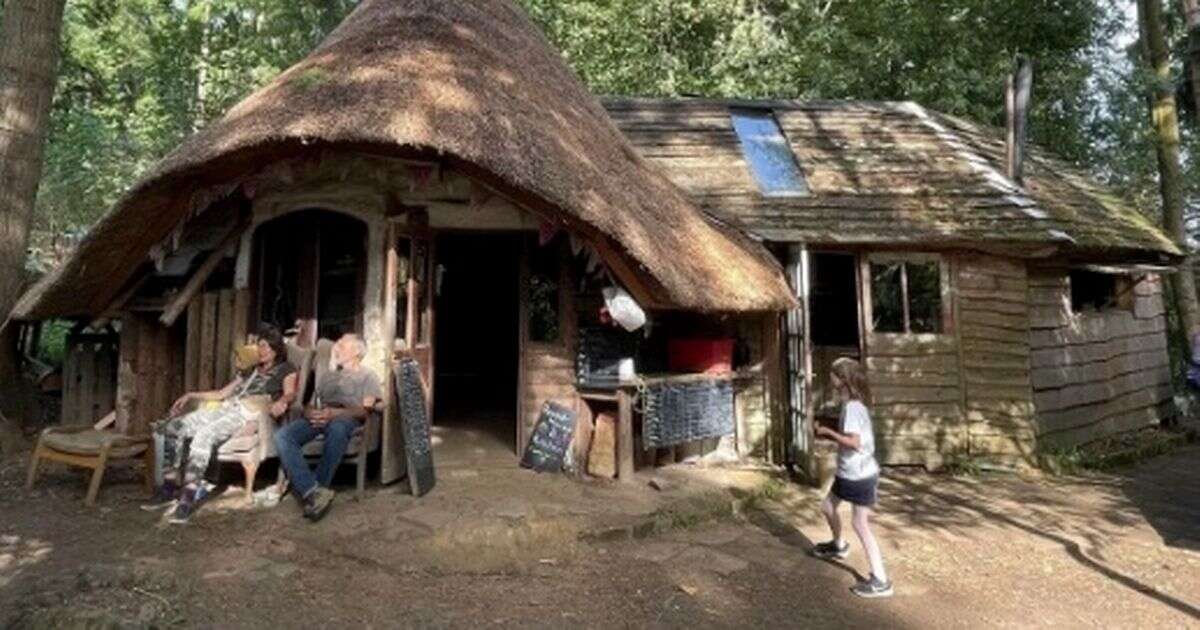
pixel 290 441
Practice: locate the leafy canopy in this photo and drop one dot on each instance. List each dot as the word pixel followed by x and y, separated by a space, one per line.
pixel 139 75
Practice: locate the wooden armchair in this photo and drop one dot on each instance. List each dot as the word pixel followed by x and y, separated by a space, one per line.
pixel 87 447
pixel 252 450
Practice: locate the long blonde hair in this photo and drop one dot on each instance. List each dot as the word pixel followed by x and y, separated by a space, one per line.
pixel 850 372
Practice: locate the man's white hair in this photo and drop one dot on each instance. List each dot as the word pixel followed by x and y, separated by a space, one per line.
pixel 356 344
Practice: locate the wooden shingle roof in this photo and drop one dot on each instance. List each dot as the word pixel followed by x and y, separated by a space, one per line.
pixel 883 173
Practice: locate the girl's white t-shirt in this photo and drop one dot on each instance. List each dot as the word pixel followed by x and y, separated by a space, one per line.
pixel 856 464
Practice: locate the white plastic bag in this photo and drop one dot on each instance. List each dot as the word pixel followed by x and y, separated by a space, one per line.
pixel 624 309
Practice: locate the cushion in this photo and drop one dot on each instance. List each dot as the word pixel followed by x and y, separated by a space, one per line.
pixel 89 443
pixel 245 357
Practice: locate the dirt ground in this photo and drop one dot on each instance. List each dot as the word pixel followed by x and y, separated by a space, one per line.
pixel 497 546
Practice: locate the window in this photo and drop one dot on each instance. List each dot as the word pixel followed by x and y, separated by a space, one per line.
pixel 767 152
pixel 1093 291
pixel 906 296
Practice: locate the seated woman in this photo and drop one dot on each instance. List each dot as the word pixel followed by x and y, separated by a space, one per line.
pixel 208 427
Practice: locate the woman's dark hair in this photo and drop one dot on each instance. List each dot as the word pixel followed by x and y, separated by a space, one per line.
pixel 270 334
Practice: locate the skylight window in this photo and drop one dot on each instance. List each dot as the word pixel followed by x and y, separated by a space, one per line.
pixel 768 154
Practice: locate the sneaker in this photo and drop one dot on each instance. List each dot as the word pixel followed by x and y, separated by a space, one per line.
pixel 182 513
pixel 268 497
pixel 827 550
pixel 318 504
pixel 873 587
pixel 164 497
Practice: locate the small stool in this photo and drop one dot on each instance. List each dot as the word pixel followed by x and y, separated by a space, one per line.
pixel 86 447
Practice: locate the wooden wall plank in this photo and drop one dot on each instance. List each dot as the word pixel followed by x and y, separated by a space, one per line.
pixel 1096 374
pixel 996 367
pixel 127 356
pixel 160 378
pixel 225 337
pixel 1119 422
pixel 105 395
pixel 86 409
pixel 241 316
pixel 191 378
pixel 935 364
pixel 208 342
pixel 177 336
pixel 148 375
pixel 69 414
pixel 884 345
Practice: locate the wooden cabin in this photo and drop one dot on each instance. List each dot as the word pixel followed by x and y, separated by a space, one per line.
pixel 993 317
pixel 434 178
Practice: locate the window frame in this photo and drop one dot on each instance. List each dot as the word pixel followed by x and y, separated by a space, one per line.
pixel 761 113
pixel 1124 293
pixel 945 296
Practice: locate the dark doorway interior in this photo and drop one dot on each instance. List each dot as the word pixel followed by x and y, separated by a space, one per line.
pixel 833 308
pixel 312 270
pixel 475 334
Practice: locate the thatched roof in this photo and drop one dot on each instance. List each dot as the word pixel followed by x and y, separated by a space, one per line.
pixel 887 173
pixel 474 84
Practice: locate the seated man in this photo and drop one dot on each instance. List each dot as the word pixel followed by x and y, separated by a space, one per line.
pixel 341 402
pixel 272 377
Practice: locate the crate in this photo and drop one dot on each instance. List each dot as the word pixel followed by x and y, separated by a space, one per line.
pixel 700 356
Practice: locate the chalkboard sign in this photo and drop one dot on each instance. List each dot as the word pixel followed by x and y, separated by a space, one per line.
pixel 410 400
pixel 677 413
pixel 601 350
pixel 550 439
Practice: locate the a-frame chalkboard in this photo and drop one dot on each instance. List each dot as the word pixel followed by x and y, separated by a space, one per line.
pixel 418 447
pixel 550 439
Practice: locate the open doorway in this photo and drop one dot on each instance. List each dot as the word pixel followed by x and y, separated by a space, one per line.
pixel 312 272
pixel 476 337
pixel 833 308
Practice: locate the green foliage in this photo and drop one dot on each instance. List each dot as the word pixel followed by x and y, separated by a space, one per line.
pixel 951 55
pixel 138 76
pixel 53 343
pixel 1114 452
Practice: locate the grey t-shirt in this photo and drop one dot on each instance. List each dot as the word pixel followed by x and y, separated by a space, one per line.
pixel 345 388
pixel 857 464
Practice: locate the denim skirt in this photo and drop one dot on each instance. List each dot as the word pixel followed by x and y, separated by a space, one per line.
pixel 857 491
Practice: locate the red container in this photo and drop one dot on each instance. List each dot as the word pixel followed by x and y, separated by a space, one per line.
pixel 704 356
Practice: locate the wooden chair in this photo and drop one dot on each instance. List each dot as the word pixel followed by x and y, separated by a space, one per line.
pixel 364 440
pixel 252 450
pixel 87 447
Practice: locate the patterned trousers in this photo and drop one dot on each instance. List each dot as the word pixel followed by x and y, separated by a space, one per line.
pixel 205 428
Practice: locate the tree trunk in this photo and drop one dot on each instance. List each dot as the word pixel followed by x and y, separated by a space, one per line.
pixel 1191 12
pixel 29 48
pixel 1165 119
pixel 205 17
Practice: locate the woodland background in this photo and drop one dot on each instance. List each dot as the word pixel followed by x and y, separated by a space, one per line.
pixel 137 76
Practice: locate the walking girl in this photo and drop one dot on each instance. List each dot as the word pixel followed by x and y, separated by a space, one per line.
pixel 857 477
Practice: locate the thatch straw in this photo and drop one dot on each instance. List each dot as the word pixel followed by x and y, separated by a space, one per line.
pixel 474 82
